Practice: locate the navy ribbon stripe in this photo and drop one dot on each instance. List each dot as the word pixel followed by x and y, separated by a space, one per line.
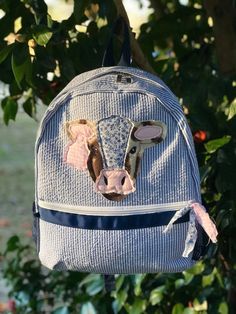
pixel 109 222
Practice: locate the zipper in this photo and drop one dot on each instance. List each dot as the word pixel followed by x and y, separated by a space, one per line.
pixel 50 111
pixel 114 210
pixel 117 71
pixel 61 97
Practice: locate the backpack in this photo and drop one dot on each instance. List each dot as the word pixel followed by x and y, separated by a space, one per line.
pixel 117 181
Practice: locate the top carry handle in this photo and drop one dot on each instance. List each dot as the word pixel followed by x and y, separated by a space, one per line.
pixel 125 58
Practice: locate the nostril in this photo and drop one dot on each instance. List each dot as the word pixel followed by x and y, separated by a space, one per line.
pixel 123 181
pixel 105 180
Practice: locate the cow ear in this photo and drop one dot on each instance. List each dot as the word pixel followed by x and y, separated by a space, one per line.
pixel 77 152
pixel 150 132
pixel 80 128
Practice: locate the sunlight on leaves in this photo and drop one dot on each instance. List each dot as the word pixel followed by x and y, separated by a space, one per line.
pixel 213 145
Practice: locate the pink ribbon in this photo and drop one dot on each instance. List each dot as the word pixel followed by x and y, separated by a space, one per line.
pixel 197 213
pixel 205 221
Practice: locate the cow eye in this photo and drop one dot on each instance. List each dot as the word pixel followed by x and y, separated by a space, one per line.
pixel 133 150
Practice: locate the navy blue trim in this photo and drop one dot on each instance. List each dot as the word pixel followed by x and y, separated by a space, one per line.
pixel 109 222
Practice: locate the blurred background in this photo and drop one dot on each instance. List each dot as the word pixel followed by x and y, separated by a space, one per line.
pixel 191 45
pixel 17 139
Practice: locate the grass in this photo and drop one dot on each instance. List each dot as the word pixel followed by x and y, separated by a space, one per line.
pixel 16 176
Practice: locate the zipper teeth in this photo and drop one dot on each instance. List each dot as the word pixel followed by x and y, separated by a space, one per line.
pixel 60 98
pixel 112 72
pixel 113 211
pixel 76 93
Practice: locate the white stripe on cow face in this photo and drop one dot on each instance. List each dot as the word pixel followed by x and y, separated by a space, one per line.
pixel 113 136
pixel 111 149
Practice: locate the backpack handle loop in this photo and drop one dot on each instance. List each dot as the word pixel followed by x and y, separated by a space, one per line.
pixel 125 57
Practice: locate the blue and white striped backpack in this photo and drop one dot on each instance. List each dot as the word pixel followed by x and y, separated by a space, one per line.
pixel 117 182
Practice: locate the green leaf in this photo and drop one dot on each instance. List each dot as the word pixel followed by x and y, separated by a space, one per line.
pixel 138 279
pixel 21 63
pixel 223 308
pixel 90 278
pixel 61 310
pixel 213 145
pixel 88 308
pixel 10 108
pixel 18 70
pixel 157 295
pixel 200 306
pixel 189 310
pixel 119 281
pixel 28 71
pixel 208 279
pixel 23 297
pixel 13 244
pixel 42 34
pixel 204 171
pixel 177 309
pixel 219 278
pixel 4 52
pixel 179 283
pixel 188 277
pixel 95 286
pixel 29 107
pixel 196 269
pixel 120 301
pixel 49 21
pixel 138 307
pixel 232 109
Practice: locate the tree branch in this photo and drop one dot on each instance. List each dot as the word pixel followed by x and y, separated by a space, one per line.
pixel 137 53
pixel 223 14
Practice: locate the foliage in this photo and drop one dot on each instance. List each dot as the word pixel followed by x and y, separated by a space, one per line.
pixel 41 57
pixel 36 290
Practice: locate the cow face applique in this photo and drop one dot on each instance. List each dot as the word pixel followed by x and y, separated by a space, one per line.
pixel 111 149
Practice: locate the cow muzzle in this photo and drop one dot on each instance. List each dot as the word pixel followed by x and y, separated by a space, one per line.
pixel 114 181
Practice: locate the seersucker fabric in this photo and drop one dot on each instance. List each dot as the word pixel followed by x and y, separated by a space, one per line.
pixel 164 175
